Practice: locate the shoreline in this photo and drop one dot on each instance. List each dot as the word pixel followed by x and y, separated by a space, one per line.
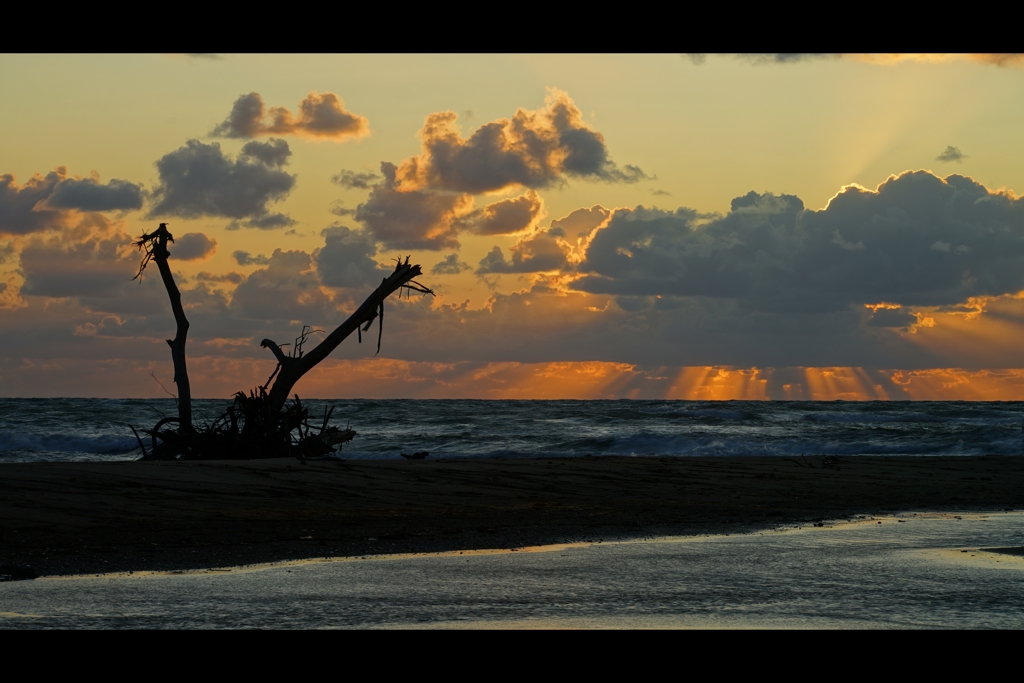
pixel 87 518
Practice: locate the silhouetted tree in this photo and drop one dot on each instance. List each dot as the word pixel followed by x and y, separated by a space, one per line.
pixel 262 423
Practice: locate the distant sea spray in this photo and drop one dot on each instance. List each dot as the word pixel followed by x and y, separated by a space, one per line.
pixel 98 429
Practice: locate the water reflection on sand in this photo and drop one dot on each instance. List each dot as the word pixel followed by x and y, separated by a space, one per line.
pixel 923 570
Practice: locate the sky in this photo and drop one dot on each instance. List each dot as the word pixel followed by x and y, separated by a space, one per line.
pixel 593 226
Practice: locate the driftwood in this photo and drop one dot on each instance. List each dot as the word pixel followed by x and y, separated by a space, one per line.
pixel 260 424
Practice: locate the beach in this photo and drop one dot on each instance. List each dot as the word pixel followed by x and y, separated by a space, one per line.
pixel 65 518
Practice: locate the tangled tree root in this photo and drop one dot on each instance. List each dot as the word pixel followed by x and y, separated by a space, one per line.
pixel 247 429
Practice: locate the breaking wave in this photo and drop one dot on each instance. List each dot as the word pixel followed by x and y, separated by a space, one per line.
pixel 107 444
pixel 93 429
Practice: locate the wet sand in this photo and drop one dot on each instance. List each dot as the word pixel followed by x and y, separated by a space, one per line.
pixel 74 518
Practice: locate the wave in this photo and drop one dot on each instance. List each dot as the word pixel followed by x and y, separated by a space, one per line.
pixel 702 413
pixel 104 444
pixel 650 444
pixel 873 417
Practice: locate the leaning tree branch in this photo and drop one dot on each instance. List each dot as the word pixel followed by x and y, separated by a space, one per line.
pixel 293 368
pixel 274 349
pixel 155 247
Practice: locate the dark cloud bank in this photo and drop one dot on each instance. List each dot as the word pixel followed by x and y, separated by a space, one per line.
pixel 41 202
pixel 917 240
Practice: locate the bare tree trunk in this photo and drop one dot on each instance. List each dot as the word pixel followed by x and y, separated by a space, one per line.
pixel 155 245
pixel 293 368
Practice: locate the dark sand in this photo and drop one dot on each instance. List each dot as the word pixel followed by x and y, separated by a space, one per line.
pixel 72 518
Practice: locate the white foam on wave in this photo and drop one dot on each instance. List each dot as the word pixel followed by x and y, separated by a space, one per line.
pixel 66 443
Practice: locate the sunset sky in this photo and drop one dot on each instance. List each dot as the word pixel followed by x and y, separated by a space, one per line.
pixel 660 226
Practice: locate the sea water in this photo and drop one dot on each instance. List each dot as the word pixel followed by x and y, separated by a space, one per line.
pixel 72 429
pixel 906 571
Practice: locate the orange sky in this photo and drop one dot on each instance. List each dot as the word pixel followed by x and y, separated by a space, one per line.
pixel 593 226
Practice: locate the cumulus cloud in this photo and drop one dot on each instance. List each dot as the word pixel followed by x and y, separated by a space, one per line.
pixel 18 204
pixel 346 259
pixel 770 254
pixel 424 202
pixel 193 246
pixel 582 222
pixel 507 216
pixel 273 152
pixel 533 149
pixel 321 116
pixel 354 180
pixel 451 265
pixel 42 202
pixel 244 258
pixel 412 219
pixel 200 180
pixel 951 153
pixel 537 253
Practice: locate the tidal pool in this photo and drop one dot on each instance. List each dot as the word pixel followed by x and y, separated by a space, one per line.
pixel 905 571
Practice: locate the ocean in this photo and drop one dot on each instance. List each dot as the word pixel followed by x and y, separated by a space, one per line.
pixel 74 429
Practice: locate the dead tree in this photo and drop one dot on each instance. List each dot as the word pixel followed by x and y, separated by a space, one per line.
pixel 155 247
pixel 261 424
pixel 290 369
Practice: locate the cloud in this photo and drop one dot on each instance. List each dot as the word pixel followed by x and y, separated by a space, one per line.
pixel 354 180
pixel 232 277
pixel 884 59
pixel 321 116
pixel 270 221
pixel 194 246
pixel 86 194
pixel 451 265
pixel 273 152
pixel 18 205
pixel 412 219
pixel 888 59
pixel 424 202
pixel 43 202
pixel 533 149
pixel 288 289
pixel 951 153
pixel 786 57
pixel 537 253
pixel 78 263
pixel 346 259
pixel 699 58
pixel 582 222
pixel 769 254
pixel 507 216
pixel 199 180
pixel 244 258
pixel 892 317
